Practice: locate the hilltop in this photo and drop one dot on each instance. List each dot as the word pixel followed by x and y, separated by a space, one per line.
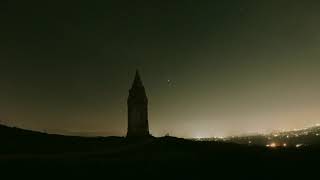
pixel 38 154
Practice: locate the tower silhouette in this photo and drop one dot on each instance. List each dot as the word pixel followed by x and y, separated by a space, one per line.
pixel 137 109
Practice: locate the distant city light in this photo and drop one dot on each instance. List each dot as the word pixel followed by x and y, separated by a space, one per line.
pixel 272 145
pixel 298 145
pixel 274 140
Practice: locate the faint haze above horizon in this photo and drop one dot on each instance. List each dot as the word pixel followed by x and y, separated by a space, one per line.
pixel 210 68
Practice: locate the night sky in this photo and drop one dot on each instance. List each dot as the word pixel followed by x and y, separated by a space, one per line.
pixel 210 68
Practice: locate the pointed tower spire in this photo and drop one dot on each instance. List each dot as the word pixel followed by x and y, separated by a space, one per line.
pixel 137 79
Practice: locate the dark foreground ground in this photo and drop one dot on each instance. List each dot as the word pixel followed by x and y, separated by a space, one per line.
pixel 26 154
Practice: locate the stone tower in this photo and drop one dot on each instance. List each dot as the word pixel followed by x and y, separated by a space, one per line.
pixel 137 109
